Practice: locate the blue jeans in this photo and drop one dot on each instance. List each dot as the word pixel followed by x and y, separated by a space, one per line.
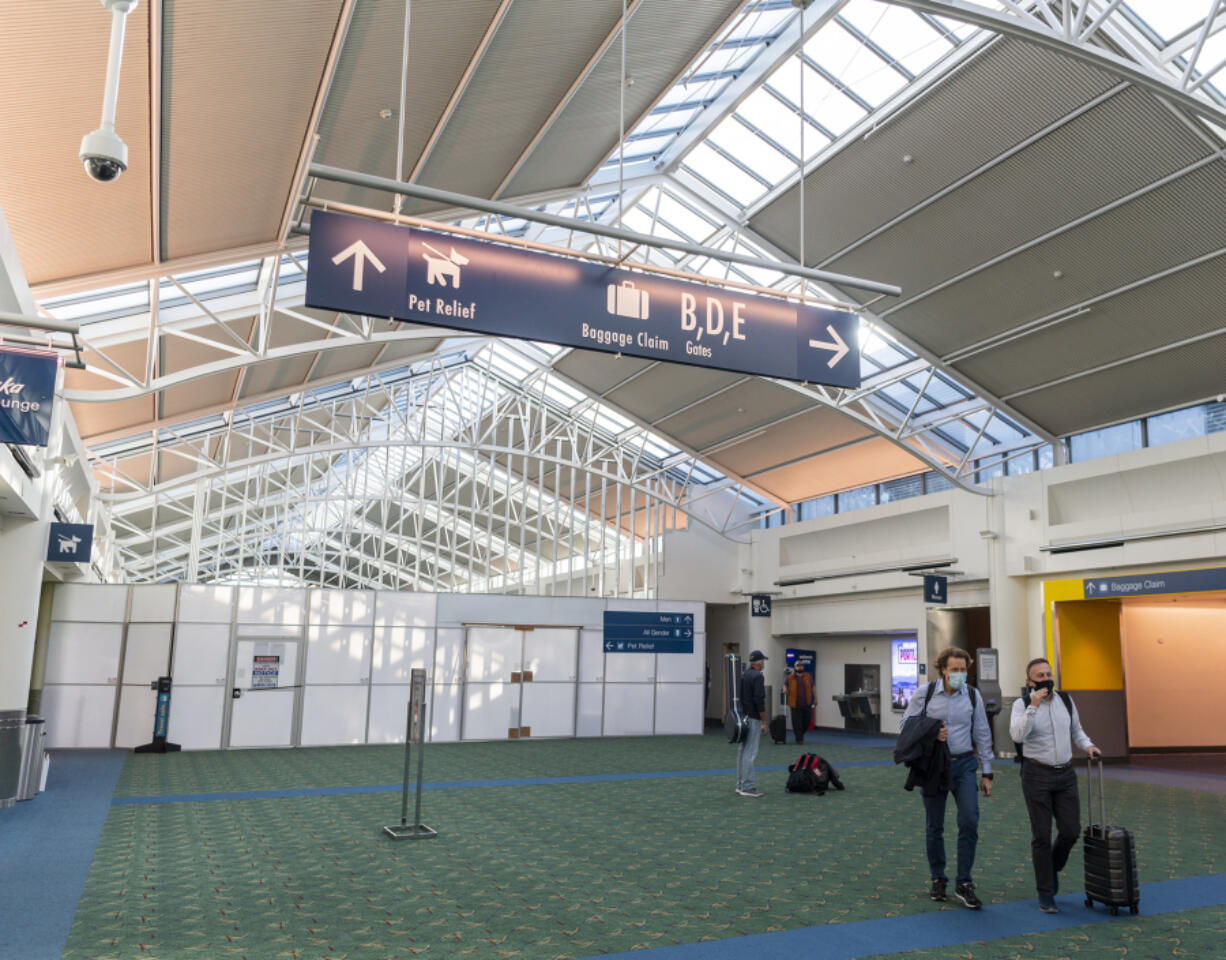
pixel 965 788
pixel 747 754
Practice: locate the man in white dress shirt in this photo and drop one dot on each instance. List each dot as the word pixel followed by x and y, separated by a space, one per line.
pixel 1047 726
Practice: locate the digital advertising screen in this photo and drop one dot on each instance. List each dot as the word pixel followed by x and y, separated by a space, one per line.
pixel 904 672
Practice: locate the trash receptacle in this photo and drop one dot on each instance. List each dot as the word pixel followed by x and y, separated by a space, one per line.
pixel 11 724
pixel 33 736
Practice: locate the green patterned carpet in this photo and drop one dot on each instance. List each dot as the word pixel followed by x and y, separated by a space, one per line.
pixel 572 870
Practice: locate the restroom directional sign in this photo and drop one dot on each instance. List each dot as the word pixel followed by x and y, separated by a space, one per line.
pixel 633 631
pixel 377 269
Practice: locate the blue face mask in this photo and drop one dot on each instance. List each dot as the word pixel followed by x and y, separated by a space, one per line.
pixel 957 681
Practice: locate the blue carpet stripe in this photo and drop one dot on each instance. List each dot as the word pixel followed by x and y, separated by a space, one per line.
pixel 450 785
pixel 938 928
pixel 46 847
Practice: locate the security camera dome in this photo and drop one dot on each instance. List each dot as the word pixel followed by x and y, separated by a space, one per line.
pixel 104 155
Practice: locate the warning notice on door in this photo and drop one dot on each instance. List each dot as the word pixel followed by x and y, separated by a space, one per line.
pixel 265 668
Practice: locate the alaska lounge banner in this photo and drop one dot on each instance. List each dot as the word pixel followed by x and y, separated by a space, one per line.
pixel 27 389
pixel 385 270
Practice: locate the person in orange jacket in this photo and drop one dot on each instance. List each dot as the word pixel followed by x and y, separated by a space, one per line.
pixel 800 701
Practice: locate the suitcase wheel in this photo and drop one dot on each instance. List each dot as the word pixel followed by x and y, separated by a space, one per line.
pixel 1134 909
pixel 1089 902
pixel 1115 911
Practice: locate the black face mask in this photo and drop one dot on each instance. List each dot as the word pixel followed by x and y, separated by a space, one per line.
pixel 1044 685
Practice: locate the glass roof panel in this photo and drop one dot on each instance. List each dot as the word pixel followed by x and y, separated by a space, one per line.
pixel 751 150
pixel 903 35
pixel 724 175
pixel 851 61
pixel 825 103
pixel 1170 18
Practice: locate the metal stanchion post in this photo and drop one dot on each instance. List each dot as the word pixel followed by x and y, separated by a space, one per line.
pixel 415 731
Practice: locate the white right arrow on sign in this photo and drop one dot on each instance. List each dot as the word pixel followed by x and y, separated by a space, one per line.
pixel 838 346
pixel 360 253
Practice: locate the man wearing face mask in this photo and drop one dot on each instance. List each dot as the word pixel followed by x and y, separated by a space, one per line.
pixel 1046 726
pixel 969 740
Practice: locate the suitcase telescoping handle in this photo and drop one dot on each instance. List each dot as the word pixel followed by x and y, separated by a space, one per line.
pixel 1102 804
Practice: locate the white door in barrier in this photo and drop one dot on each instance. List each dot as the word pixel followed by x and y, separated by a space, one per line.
pixel 519 683
pixel 265 679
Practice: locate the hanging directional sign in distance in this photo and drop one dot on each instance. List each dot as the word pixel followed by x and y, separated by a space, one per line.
pixel 385 270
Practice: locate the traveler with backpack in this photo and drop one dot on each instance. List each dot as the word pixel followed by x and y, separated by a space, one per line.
pixel 753 700
pixel 969 740
pixel 800 699
pixel 1044 728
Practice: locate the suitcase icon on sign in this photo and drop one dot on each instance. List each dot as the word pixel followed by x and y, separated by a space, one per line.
pixel 627 300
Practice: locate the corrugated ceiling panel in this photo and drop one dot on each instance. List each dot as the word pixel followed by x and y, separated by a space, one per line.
pixel 598 371
pixel 1005 94
pixel 443 37
pixel 239 81
pixel 95 419
pixel 1131 390
pixel 537 53
pixel 663 37
pixel 1128 142
pixel 844 469
pixel 1166 227
pixel 52 73
pixel 801 436
pixel 1174 308
pixel 667 387
pixel 276 376
pixel 732 413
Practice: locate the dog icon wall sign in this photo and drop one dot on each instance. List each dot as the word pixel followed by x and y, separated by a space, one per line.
pixel 69 544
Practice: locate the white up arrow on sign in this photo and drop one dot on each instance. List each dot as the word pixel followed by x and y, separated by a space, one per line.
pixel 838 346
pixel 360 253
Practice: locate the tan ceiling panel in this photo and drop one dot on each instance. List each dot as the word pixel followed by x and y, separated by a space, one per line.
pixel 178 353
pixel 276 376
pixel 200 395
pixel 737 411
pixel 801 436
pixel 288 330
pixel 867 462
pixel 95 419
pixel 355 361
pixel 239 82
pixel 52 71
pixel 667 387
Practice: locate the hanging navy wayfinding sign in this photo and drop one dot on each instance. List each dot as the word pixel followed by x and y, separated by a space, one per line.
pixel 384 270
pixel 70 542
pixel 632 631
pixel 27 390
pixel 935 588
pixel 760 605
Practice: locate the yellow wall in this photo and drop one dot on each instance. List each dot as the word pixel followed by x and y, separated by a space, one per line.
pixel 1090 654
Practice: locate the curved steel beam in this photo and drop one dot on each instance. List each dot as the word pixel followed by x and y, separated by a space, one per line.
pixel 240 362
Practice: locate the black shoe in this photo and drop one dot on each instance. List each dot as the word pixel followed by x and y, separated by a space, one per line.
pixel 1048 905
pixel 937 892
pixel 966 893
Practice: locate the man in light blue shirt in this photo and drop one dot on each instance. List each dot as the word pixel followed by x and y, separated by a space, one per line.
pixel 969 740
pixel 1047 726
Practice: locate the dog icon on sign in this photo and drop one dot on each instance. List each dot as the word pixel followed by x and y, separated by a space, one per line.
pixel 69 544
pixel 441 267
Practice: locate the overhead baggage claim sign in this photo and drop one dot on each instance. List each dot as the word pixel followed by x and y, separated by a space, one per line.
pixel 384 270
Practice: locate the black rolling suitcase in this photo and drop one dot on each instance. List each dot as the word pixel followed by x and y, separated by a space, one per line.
pixel 1110 855
pixel 779 729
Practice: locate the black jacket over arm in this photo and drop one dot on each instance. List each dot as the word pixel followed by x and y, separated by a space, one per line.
pixel 926 757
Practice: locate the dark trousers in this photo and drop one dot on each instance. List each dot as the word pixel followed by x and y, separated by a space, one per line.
pixel 1050 793
pixel 965 788
pixel 800 722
